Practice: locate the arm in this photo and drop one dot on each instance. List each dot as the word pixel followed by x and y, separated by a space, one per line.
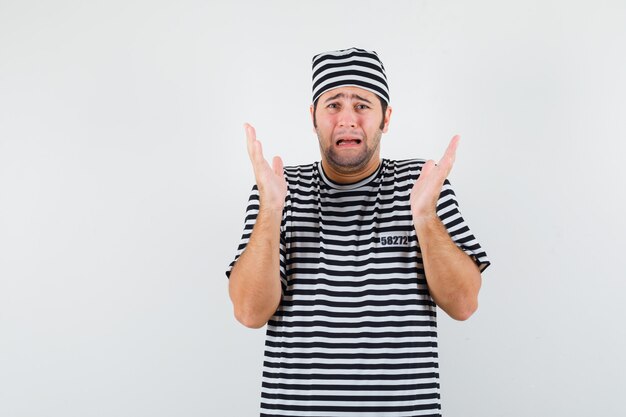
pixel 452 276
pixel 254 284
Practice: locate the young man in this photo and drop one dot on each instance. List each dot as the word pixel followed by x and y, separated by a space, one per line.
pixel 346 259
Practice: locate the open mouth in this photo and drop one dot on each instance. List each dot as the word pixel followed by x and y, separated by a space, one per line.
pixel 348 142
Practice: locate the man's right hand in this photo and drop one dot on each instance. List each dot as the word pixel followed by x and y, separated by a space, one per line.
pixel 270 180
pixel 254 285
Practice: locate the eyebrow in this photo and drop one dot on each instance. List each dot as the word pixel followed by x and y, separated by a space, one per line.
pixel 352 96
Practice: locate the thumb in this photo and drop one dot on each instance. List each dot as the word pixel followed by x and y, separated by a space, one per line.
pixel 427 167
pixel 277 166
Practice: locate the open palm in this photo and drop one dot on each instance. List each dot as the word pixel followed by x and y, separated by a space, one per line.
pixel 427 187
pixel 269 179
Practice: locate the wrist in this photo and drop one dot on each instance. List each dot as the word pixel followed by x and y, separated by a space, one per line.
pixel 425 220
pixel 271 205
pixel 271 211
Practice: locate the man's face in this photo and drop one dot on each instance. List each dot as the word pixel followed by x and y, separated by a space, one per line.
pixel 348 128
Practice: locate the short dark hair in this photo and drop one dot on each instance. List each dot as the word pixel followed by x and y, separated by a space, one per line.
pixel 383 104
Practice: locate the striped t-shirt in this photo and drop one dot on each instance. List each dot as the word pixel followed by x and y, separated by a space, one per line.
pixel 355 333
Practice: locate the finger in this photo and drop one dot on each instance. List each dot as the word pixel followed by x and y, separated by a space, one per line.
pixel 255 149
pixel 427 167
pixel 449 156
pixel 277 165
pixel 257 154
pixel 250 139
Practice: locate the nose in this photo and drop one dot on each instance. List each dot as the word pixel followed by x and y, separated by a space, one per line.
pixel 347 117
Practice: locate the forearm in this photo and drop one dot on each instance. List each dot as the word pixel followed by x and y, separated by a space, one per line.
pixel 452 276
pixel 254 284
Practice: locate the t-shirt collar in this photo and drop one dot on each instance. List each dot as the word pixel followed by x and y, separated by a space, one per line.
pixel 348 186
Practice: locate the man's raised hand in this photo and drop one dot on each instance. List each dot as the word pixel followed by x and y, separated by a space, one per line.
pixel 270 180
pixel 427 188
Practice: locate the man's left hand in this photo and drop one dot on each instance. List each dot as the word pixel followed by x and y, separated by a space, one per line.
pixel 427 188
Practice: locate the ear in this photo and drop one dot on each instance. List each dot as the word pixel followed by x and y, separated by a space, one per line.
pixel 387 119
pixel 311 110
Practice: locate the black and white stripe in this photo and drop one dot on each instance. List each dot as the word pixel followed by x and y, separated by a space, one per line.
pixel 349 67
pixel 355 333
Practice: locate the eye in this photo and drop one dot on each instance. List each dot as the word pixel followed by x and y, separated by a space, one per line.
pixel 362 106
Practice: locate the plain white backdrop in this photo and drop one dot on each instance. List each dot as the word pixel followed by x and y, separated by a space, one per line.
pixel 124 179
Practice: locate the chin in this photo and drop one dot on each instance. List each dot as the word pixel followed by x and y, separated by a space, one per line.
pixel 347 164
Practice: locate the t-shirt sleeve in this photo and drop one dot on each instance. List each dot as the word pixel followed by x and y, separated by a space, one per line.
pixel 459 231
pixel 251 214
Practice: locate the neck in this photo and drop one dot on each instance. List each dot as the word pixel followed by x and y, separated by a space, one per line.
pixel 342 177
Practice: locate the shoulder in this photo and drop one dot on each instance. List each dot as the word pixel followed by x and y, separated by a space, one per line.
pixel 404 163
pixel 403 168
pixel 300 169
pixel 301 177
pixel 300 172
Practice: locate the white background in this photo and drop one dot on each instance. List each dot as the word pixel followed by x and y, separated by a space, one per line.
pixel 124 179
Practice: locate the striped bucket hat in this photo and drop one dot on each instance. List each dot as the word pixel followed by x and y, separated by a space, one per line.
pixel 349 67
